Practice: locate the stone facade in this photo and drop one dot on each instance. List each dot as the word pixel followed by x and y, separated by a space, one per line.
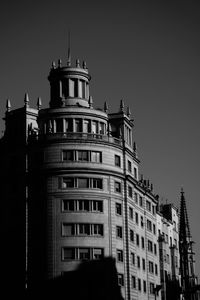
pixel 83 198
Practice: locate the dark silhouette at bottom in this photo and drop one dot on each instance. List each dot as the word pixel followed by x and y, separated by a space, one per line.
pixel 92 280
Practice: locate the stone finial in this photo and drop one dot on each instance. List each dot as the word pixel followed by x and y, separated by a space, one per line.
pixel 122 106
pixel 59 63
pixel 151 187
pixel 105 107
pixel 26 100
pixel 53 65
pixel 39 103
pixel 8 105
pixel 128 111
pixel 78 63
pixel 90 102
pixel 84 65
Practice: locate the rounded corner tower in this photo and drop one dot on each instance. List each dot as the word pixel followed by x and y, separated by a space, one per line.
pixel 83 171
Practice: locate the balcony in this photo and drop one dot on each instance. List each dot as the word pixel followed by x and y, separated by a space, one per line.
pixel 90 137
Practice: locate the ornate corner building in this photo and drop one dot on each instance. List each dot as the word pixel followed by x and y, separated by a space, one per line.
pixel 72 193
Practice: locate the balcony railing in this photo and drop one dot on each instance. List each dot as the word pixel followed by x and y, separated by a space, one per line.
pixel 75 136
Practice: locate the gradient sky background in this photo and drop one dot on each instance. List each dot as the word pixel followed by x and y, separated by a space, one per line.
pixel 145 52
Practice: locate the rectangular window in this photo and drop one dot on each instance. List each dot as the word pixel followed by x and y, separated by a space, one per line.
pixel 69 125
pixel 67 182
pixel 119 231
pixel 119 255
pixel 151 288
pixel 78 125
pixel 118 209
pixel 133 281
pixel 135 173
pixel 143 264
pixel 139 284
pixel 141 201
pixel 130 213
pixel 68 205
pixel 83 205
pixel 59 125
pixel 138 262
pixel 97 229
pixel 136 218
pixel 154 229
pixel 68 253
pixel 83 183
pixel 148 206
pixel 142 221
pixel 142 242
pixel 98 253
pixel 84 253
pixel 153 209
pixel 133 258
pixel 137 240
pixel 84 229
pixel 129 166
pixel 151 269
pixel 130 191
pixel 97 205
pixel 117 161
pixel 155 249
pixel 156 269
pixel 136 198
pixel 68 229
pixel 149 225
pixel 144 286
pixel 81 89
pixel 94 127
pixel 71 87
pixel 86 126
pixel 67 155
pixel 131 235
pixel 101 128
pixel 117 187
pixel 150 246
pixel 120 279
pixel 96 156
pixel 97 183
pixel 82 155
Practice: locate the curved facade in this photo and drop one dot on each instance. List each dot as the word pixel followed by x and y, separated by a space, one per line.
pixel 92 203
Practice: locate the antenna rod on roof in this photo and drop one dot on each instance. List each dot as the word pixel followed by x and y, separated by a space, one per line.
pixel 69 50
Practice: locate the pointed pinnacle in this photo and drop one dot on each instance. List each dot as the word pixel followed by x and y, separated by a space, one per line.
pixel 26 100
pixel 53 65
pixel 8 105
pixel 122 106
pixel 105 106
pixel 39 103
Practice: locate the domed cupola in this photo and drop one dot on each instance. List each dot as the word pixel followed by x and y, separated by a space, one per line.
pixel 69 84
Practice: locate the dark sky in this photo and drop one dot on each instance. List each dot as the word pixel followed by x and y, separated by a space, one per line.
pixel 145 52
